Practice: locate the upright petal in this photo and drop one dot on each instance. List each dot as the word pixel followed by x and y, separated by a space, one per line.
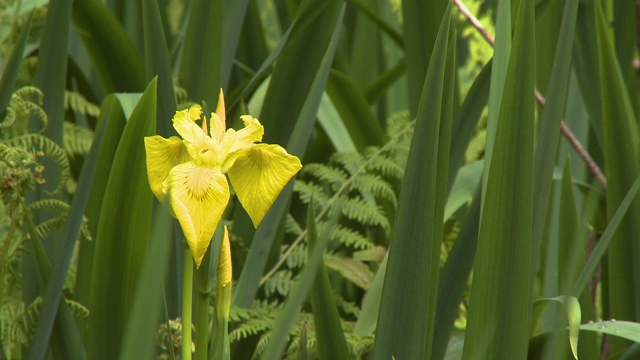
pixel 198 196
pixel 218 119
pixel 259 175
pixel 162 155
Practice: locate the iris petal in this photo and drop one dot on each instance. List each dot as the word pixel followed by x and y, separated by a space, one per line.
pixel 162 155
pixel 218 119
pixel 199 196
pixel 259 175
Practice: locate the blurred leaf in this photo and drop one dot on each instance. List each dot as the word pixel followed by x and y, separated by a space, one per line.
pixel 122 240
pixel 353 270
pixel 421 23
pixel 202 55
pixel 463 188
pixel 12 65
pixel 354 111
pixel 504 245
pixel 605 240
pixel 407 308
pixel 157 63
pixel 113 55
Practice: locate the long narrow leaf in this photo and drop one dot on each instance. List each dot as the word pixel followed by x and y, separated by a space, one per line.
pixel 500 294
pixel 405 322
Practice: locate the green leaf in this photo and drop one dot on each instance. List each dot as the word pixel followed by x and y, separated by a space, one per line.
pixel 296 142
pixel 621 153
pixel 111 114
pixel 122 239
pixel 157 63
pixel 407 308
pixel 12 65
pixel 285 319
pixel 53 294
pixel 454 277
pixel 504 244
pixel 623 329
pixel 202 55
pixel 422 20
pixel 572 308
pixel 139 340
pixel 354 110
pixel 113 55
pixel 549 131
pixel 329 334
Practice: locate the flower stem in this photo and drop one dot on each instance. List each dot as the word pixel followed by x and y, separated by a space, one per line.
pixel 203 290
pixel 187 299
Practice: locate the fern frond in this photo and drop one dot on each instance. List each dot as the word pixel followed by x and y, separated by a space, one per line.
pixel 375 185
pixel 351 162
pixel 39 143
pixel 291 226
pixel 334 176
pixel 280 283
pixel 364 212
pixel 346 236
pixel 77 139
pixel 78 103
pixel 298 257
pixel 387 167
pixel 20 106
pixel 475 150
pixel 308 190
pixel 50 205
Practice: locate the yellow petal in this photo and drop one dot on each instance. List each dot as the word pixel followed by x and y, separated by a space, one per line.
pixel 195 138
pixel 259 174
pixel 198 196
pixel 252 133
pixel 218 119
pixel 237 141
pixel 162 155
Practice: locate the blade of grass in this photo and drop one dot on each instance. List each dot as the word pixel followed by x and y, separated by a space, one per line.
pixel 499 310
pixel 405 323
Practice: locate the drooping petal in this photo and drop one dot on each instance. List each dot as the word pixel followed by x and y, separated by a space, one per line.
pixel 219 120
pixel 259 175
pixel 252 133
pixel 237 141
pixel 162 155
pixel 198 196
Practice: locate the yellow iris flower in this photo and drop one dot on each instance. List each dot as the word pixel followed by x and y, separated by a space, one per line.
pixel 191 171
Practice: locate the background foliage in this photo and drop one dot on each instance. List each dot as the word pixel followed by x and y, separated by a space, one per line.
pixel 469 187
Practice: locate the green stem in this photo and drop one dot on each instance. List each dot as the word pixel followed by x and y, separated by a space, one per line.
pixel 187 295
pixel 203 291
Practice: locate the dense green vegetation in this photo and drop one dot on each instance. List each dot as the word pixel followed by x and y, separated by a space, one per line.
pixel 468 190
